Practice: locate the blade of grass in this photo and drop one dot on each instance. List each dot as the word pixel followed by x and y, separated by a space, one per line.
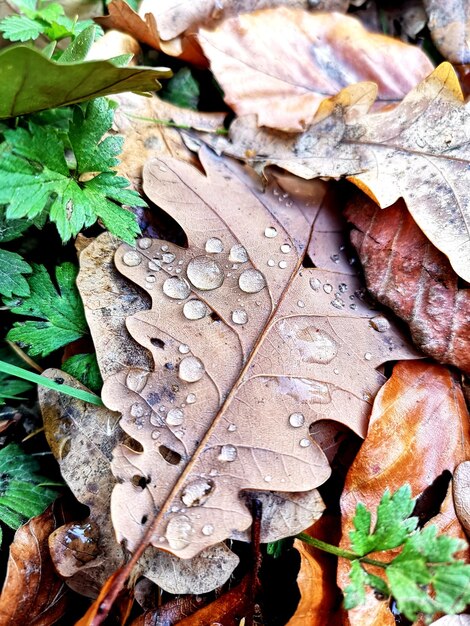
pixel 80 394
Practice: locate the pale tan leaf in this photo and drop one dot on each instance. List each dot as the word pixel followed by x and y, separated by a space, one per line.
pixel 228 404
pixel 145 138
pixel 86 553
pixel 281 63
pixel 453 620
pixel 462 494
pixel 449 23
pixel 418 151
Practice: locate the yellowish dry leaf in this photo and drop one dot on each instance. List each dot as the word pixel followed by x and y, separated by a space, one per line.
pixel 279 64
pixel 249 350
pixel 418 151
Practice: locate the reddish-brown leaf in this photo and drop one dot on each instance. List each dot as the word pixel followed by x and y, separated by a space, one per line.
pixel 407 273
pixel 419 428
pixel 281 63
pixel 320 599
pixel 33 594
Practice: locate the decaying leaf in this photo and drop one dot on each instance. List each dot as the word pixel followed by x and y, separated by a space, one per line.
pixel 405 272
pixel 419 151
pixel 145 139
pixel 419 429
pixel 453 620
pixel 316 56
pixel 249 350
pixel 449 23
pixel 320 599
pixel 86 553
pixel 32 592
pixel 462 494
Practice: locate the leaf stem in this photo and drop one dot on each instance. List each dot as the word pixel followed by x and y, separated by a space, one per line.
pixel 80 394
pixel 345 554
pixel 170 124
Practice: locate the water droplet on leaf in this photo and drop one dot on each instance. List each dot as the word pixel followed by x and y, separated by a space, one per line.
pixel 191 369
pixel 238 254
pixel 194 310
pixel 228 453
pixel 175 417
pixel 214 245
pixel 270 232
pixel 132 258
pixel 251 281
pixel 178 532
pixel 204 273
pixel 176 288
pixel 239 316
pixel 296 420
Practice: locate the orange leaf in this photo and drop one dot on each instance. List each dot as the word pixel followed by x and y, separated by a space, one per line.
pixel 419 428
pixel 281 63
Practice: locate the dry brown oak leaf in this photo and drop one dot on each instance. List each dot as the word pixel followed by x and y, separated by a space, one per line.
pixel 419 151
pixel 449 23
pixel 279 64
pixel 419 428
pixel 405 272
pixel 32 591
pixel 249 350
pixel 86 553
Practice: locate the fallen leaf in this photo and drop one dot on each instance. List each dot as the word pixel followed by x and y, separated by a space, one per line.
pixel 418 151
pixel 145 138
pixel 405 272
pixel 114 44
pixel 316 55
pixel 462 494
pixel 199 462
pixel 31 82
pixel 171 612
pixel 228 610
pixel 320 598
pixel 86 553
pixel 453 620
pixel 419 428
pixel 449 23
pixel 144 28
pixel 32 592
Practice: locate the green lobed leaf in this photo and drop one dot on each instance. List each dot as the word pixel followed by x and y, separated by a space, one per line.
pixel 182 90
pixel 21 494
pixel 84 367
pixel 60 316
pixel 30 82
pixel 11 388
pixel 11 229
pixel 20 28
pixel 36 180
pixel 393 523
pixel 355 592
pixel 12 270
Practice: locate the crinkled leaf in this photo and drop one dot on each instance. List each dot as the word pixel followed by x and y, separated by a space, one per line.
pixel 35 179
pixel 12 270
pixel 393 523
pixel 30 82
pixel 59 311
pixel 21 493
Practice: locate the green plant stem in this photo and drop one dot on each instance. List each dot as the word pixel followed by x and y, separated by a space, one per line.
pixel 170 124
pixel 345 554
pixel 80 394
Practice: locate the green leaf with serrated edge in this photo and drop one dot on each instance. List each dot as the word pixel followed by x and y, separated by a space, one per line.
pixel 392 527
pixel 451 585
pixel 35 178
pixel 80 46
pixel 11 229
pixel 84 368
pixel 11 389
pixel 20 28
pixel 60 316
pixel 21 493
pixel 182 90
pixel 408 581
pixel 30 82
pixel 355 592
pixel 12 270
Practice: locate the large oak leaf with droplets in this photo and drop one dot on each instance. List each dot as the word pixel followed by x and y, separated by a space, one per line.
pixel 249 347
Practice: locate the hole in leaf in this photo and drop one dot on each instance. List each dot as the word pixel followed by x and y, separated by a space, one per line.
pixel 429 502
pixel 140 481
pixel 156 223
pixel 307 261
pixel 169 455
pixel 158 343
pixel 144 519
pixel 215 317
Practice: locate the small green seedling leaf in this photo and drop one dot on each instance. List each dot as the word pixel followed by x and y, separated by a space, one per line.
pixel 84 368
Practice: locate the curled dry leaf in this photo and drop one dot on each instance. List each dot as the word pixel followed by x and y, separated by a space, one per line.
pixel 418 151
pixel 32 592
pixel 86 553
pixel 285 89
pixel 404 271
pixel 249 350
pixel 320 598
pixel 449 23
pixel 113 44
pixel 145 139
pixel 419 428
pixel 462 494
